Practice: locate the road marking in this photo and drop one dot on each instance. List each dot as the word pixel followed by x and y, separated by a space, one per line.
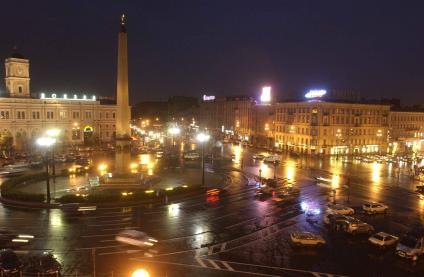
pixel 197 266
pixel 120 252
pixel 214 264
pixel 227 266
pixel 201 262
pixel 210 250
pixel 316 274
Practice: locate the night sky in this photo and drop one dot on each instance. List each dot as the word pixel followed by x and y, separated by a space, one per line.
pixel 221 47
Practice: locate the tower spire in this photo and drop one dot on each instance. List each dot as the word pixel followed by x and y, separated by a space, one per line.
pixel 123 23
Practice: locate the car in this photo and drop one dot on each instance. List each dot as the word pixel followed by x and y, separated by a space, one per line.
pixel 258 157
pixel 374 207
pixel 306 238
pixel 383 239
pixel 411 245
pixel 272 159
pixel 334 219
pixel 9 238
pixel 354 226
pixel 9 263
pixel 340 209
pixel 191 156
pixel 136 238
pixel 44 264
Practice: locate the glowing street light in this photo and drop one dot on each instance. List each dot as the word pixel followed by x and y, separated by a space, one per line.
pixel 47 142
pixel 140 273
pixel 53 133
pixel 203 138
pixel 174 131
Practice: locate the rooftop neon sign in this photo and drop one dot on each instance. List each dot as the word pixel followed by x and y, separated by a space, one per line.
pixel 315 93
pixel 266 94
pixel 65 96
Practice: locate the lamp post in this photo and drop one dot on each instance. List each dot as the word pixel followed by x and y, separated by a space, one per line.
pixel 53 133
pixel 203 138
pixel 47 142
pixel 173 131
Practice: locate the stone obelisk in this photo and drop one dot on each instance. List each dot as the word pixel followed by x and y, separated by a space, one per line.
pixel 123 113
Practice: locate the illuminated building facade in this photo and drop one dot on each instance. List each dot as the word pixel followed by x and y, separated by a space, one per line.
pixel 82 118
pixel 406 131
pixel 331 128
pixel 231 114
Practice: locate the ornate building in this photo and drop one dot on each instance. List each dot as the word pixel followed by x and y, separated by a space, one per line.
pixel 82 118
pixel 318 127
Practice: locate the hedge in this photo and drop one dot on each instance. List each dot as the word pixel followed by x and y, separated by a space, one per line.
pixel 116 196
pixel 9 188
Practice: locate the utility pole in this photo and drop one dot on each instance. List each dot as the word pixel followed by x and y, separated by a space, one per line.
pixel 93 256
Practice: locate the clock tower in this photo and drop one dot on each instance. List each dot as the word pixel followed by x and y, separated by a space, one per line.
pixel 17 76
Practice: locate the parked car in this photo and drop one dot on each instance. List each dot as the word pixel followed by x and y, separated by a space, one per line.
pixel 306 238
pixel 383 239
pixel 191 156
pixel 411 245
pixel 374 207
pixel 354 226
pixel 340 209
pixel 44 264
pixel 136 238
pixel 334 219
pixel 258 157
pixel 272 159
pixel 9 263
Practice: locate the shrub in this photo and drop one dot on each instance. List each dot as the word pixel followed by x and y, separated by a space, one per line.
pixel 23 196
pixel 71 198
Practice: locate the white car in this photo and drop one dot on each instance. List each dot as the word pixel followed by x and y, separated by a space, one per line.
pixel 306 238
pixel 383 239
pixel 340 209
pixel 373 208
pixel 191 156
pixel 136 238
pixel 258 157
pixel 272 159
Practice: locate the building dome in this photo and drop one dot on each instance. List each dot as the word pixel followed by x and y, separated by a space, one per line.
pixel 17 56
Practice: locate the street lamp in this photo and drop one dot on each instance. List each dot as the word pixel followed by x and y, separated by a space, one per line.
pixel 174 131
pixel 203 138
pixel 47 142
pixel 140 273
pixel 53 133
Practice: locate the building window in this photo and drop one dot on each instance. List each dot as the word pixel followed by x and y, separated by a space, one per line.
pixel 20 89
pixel 20 115
pixel 49 115
pixel 113 115
pixel 4 115
pixel 35 115
pixel 107 115
pixel 62 115
pixel 75 115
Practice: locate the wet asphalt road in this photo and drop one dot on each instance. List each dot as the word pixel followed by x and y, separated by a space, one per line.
pixel 234 233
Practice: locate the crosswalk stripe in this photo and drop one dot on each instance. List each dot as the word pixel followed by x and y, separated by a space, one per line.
pixel 214 264
pixel 200 262
pixel 316 274
pixel 227 266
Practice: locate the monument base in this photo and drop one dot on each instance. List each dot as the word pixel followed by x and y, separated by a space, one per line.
pixel 123 179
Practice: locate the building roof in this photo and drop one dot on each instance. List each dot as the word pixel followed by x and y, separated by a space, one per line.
pixel 17 56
